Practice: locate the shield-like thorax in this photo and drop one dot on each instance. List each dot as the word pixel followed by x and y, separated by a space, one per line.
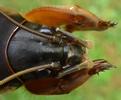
pixel 21 49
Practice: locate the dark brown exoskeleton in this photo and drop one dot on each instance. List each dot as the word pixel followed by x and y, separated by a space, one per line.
pixel 35 56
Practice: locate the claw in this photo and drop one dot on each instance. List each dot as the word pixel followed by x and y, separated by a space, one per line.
pixel 103 25
pixel 100 65
pixel 111 24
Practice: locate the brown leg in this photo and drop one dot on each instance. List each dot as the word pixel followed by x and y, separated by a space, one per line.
pixel 67 83
pixel 64 85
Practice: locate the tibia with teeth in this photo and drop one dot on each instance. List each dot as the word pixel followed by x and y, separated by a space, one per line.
pixel 100 65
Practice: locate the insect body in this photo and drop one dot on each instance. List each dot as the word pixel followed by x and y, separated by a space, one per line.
pixel 73 18
pixel 29 57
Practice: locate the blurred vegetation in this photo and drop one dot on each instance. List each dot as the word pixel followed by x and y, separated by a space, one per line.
pixel 106 86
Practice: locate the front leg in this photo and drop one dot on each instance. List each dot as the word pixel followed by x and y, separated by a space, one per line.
pixel 76 79
pixel 52 86
pixel 66 84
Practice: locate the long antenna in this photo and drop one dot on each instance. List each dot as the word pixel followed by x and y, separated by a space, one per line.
pixel 20 73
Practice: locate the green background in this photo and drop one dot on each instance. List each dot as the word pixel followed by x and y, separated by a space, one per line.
pixel 106 86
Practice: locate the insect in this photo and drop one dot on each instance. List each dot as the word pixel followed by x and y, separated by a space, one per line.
pixel 35 56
